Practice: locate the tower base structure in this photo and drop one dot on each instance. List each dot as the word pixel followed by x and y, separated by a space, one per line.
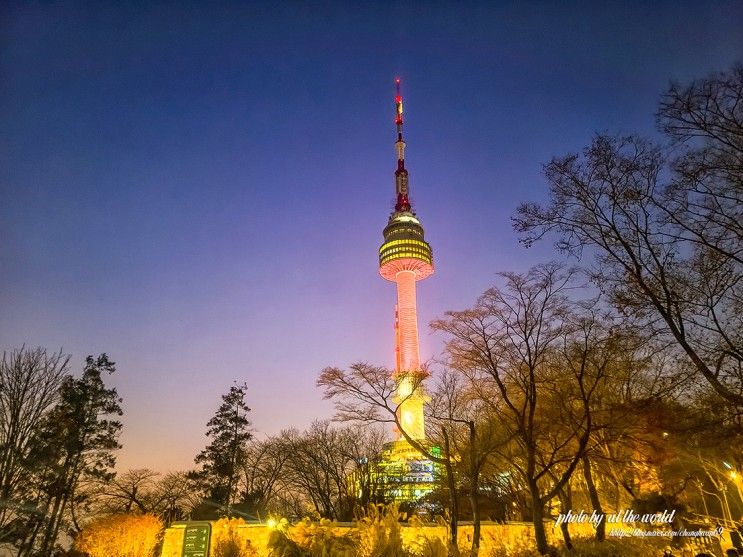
pixel 404 474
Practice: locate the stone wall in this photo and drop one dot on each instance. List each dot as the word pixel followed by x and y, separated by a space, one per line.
pixel 173 541
pixel 514 535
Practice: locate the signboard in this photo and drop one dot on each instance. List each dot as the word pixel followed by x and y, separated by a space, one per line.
pixel 196 539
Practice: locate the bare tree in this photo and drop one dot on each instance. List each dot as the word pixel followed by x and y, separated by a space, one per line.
pixel 704 201
pixel 473 434
pixel 666 228
pixel 509 347
pixel 367 394
pixel 459 423
pixel 132 491
pixel 29 387
pixel 363 447
pixel 590 353
pixel 141 491
pixel 321 463
pixel 262 468
pixel 175 496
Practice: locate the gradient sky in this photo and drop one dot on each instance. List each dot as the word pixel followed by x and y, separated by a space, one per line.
pixel 200 191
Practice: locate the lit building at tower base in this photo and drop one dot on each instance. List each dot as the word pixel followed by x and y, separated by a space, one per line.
pixel 404 475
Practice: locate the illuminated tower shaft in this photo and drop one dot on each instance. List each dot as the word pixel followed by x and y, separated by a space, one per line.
pixel 407 322
pixel 405 258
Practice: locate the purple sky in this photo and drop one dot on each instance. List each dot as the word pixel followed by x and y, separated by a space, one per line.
pixel 200 191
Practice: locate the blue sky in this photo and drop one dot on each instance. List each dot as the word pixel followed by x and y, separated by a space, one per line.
pixel 200 190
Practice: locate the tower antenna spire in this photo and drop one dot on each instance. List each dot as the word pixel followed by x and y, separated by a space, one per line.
pixel 398 107
pixel 401 175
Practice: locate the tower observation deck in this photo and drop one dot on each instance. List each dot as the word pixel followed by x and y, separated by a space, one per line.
pixel 406 258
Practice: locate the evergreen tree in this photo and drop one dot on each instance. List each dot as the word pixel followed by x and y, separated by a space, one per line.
pixel 75 445
pixel 229 431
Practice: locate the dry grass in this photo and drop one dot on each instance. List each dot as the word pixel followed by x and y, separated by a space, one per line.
pixel 626 547
pixel 120 535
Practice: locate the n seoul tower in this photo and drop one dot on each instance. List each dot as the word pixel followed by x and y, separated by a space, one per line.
pixel 405 258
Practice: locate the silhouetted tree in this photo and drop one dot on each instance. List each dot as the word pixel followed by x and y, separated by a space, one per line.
pixel 262 468
pixel 176 497
pixel 77 440
pixel 229 431
pixel 320 465
pixel 133 490
pixel 29 387
pixel 473 434
pixel 510 346
pixel 666 227
pixel 171 496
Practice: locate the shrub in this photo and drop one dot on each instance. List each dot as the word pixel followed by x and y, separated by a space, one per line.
pixel 625 547
pixel 120 535
pixel 226 541
pixel 520 548
pixel 379 532
pixel 309 539
pixel 281 545
pixel 424 546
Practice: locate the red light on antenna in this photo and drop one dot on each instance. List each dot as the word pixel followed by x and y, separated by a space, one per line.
pixel 397 80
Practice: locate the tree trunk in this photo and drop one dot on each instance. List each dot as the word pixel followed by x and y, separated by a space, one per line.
pixel 537 515
pixel 566 535
pixel 55 518
pixel 594 496
pixel 52 525
pixel 475 503
pixel 474 492
pixel 450 480
pixel 566 502
pixel 34 527
pixel 454 518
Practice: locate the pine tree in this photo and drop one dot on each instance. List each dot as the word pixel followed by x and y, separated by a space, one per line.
pixel 75 444
pixel 229 431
